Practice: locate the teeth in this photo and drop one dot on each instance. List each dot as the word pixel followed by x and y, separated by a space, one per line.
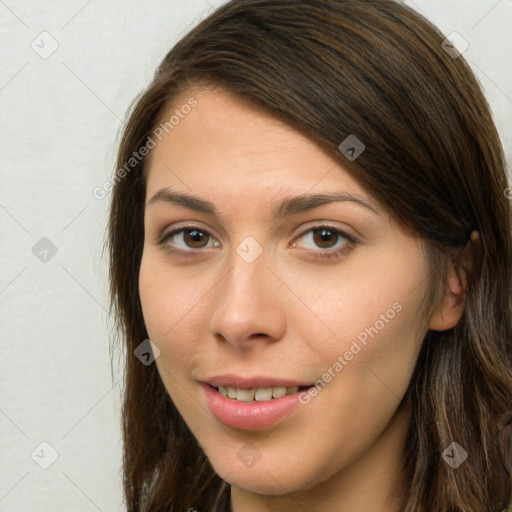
pixel 245 395
pixel 279 391
pixel 263 394
pixel 257 394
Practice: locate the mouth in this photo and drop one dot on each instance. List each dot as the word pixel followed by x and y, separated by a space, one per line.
pixel 257 394
pixel 252 408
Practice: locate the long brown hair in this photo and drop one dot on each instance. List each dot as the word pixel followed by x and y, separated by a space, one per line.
pixel 331 68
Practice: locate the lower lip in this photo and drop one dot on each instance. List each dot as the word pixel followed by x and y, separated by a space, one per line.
pixel 249 415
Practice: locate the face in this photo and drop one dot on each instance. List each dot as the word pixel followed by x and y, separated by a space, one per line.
pixel 242 286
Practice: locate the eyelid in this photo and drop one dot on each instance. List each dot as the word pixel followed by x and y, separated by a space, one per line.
pixel 183 227
pixel 304 229
pixel 313 253
pixel 336 254
pixel 318 224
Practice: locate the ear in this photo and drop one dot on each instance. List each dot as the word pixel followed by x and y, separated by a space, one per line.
pixel 455 287
pixel 451 305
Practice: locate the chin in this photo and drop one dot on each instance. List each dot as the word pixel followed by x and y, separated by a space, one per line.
pixel 265 478
pixel 262 483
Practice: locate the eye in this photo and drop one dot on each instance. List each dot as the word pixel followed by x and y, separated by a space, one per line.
pixel 327 237
pixel 187 238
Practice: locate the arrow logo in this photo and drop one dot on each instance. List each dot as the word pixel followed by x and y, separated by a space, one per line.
pixel 454 45
pixel 147 352
pixel 249 249
pixel 351 147
pixel 249 455
pixel 44 250
pixel 454 455
pixel 44 455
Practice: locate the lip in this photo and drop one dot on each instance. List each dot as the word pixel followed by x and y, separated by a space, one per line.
pixel 236 381
pixel 249 415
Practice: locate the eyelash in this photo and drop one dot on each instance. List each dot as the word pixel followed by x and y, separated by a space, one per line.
pixel 328 254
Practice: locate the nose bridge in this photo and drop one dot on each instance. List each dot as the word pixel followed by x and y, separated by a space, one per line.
pixel 249 250
pixel 247 304
pixel 247 283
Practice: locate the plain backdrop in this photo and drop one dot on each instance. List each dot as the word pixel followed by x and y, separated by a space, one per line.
pixel 69 71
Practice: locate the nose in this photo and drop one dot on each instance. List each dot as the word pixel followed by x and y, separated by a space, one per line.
pixel 249 304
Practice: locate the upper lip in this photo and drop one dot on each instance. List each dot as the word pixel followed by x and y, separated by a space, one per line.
pixel 257 381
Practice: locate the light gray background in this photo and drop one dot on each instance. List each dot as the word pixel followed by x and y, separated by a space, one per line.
pixel 60 121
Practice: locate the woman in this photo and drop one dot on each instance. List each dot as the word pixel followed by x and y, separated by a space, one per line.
pixel 310 223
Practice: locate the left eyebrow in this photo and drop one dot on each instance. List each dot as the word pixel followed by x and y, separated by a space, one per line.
pixel 298 204
pixel 280 209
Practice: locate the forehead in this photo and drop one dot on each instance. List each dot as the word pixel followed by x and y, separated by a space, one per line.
pixel 225 144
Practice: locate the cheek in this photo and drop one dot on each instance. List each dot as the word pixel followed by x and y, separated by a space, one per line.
pixel 376 312
pixel 174 306
pixel 155 302
pixel 166 295
pixel 367 355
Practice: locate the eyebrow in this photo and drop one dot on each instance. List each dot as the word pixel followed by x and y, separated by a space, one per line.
pixel 283 208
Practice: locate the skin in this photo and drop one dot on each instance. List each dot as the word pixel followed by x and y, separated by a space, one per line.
pixel 290 313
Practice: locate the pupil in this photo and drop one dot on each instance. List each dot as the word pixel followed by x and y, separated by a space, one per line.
pixel 324 235
pixel 195 236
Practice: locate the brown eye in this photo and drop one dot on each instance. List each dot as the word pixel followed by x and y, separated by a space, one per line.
pixel 187 239
pixel 326 242
pixel 325 238
pixel 194 238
